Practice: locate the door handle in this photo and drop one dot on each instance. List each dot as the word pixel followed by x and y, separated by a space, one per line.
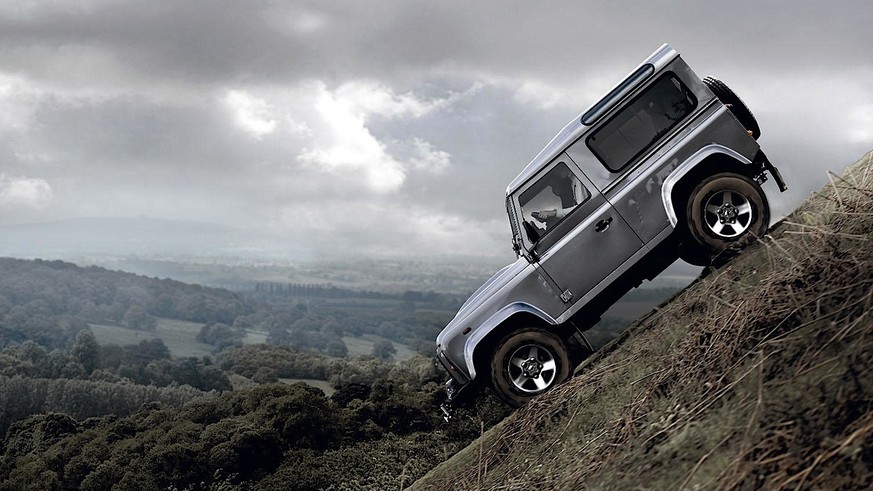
pixel 602 225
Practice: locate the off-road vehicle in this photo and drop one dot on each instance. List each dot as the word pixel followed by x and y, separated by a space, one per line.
pixel 665 165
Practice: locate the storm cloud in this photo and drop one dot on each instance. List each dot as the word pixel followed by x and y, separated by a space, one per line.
pixel 388 127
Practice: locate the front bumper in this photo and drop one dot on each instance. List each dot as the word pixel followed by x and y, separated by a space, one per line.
pixel 454 385
pixel 454 371
pixel 453 389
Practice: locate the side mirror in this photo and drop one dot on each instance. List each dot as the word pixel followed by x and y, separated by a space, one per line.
pixel 533 235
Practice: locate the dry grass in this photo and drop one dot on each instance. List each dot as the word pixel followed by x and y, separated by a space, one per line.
pixel 758 376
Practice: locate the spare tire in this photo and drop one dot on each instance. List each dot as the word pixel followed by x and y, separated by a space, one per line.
pixel 736 105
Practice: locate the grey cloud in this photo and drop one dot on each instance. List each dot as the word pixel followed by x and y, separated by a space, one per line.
pixel 215 43
pixel 490 136
pixel 126 111
pixel 209 40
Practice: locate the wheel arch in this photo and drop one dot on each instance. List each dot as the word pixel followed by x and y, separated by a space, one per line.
pixel 515 317
pixel 707 161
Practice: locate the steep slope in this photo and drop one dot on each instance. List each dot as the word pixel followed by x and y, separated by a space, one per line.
pixel 760 375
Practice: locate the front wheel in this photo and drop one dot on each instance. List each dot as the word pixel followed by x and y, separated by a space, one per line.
pixel 527 363
pixel 725 211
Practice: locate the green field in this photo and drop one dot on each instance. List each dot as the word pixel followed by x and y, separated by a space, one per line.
pixel 363 345
pixel 255 337
pixel 179 336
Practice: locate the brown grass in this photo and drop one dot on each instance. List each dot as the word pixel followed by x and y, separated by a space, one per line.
pixel 758 376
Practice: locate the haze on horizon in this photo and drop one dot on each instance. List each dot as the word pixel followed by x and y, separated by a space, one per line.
pixel 388 128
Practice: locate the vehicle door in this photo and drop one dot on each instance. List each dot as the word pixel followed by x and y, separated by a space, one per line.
pixel 571 232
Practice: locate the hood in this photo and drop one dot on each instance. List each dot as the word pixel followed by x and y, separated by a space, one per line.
pixel 487 291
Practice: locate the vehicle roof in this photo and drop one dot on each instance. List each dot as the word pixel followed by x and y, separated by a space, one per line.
pixel 575 129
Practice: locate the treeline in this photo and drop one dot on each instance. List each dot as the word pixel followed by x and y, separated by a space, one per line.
pixel 268 363
pixel 269 289
pixel 92 380
pixel 268 437
pixel 50 301
pixel 81 399
pixel 76 382
pixel 145 363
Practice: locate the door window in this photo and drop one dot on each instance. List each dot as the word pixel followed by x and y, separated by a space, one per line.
pixel 551 199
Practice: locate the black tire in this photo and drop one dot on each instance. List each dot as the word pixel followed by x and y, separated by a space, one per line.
pixel 724 211
pixel 736 105
pixel 527 363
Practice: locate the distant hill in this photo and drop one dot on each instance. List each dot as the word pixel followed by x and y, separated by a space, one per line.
pixel 48 302
pixel 65 239
pixel 758 376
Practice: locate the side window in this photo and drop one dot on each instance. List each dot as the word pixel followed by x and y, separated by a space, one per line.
pixel 642 122
pixel 546 202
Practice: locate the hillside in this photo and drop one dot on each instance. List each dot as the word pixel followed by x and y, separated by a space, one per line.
pixel 94 393
pixel 759 375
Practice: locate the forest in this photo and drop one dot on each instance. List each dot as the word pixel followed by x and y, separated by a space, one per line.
pixel 78 412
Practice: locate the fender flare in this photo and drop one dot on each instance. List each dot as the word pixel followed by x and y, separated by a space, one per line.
pixel 491 324
pixel 685 167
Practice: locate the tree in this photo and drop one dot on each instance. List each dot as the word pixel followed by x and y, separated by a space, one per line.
pixel 384 349
pixel 337 347
pixel 279 336
pixel 136 317
pixel 152 349
pixel 265 375
pixel 86 350
pixel 220 335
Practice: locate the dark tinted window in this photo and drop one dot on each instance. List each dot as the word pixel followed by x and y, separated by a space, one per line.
pixel 642 122
pixel 617 93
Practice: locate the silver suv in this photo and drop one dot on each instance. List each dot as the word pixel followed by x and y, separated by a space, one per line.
pixel 665 166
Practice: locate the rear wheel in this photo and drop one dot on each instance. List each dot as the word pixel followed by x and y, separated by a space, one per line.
pixel 725 211
pixel 527 363
pixel 736 105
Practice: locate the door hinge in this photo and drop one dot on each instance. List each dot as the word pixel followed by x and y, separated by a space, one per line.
pixel 566 296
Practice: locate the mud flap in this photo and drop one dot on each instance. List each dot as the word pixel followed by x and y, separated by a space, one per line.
pixel 766 166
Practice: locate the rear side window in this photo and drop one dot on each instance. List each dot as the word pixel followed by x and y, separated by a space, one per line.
pixel 642 122
pixel 617 94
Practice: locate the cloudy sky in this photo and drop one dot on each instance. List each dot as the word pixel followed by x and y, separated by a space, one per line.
pixel 383 127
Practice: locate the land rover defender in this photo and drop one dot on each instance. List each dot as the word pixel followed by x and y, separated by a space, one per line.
pixel 666 165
